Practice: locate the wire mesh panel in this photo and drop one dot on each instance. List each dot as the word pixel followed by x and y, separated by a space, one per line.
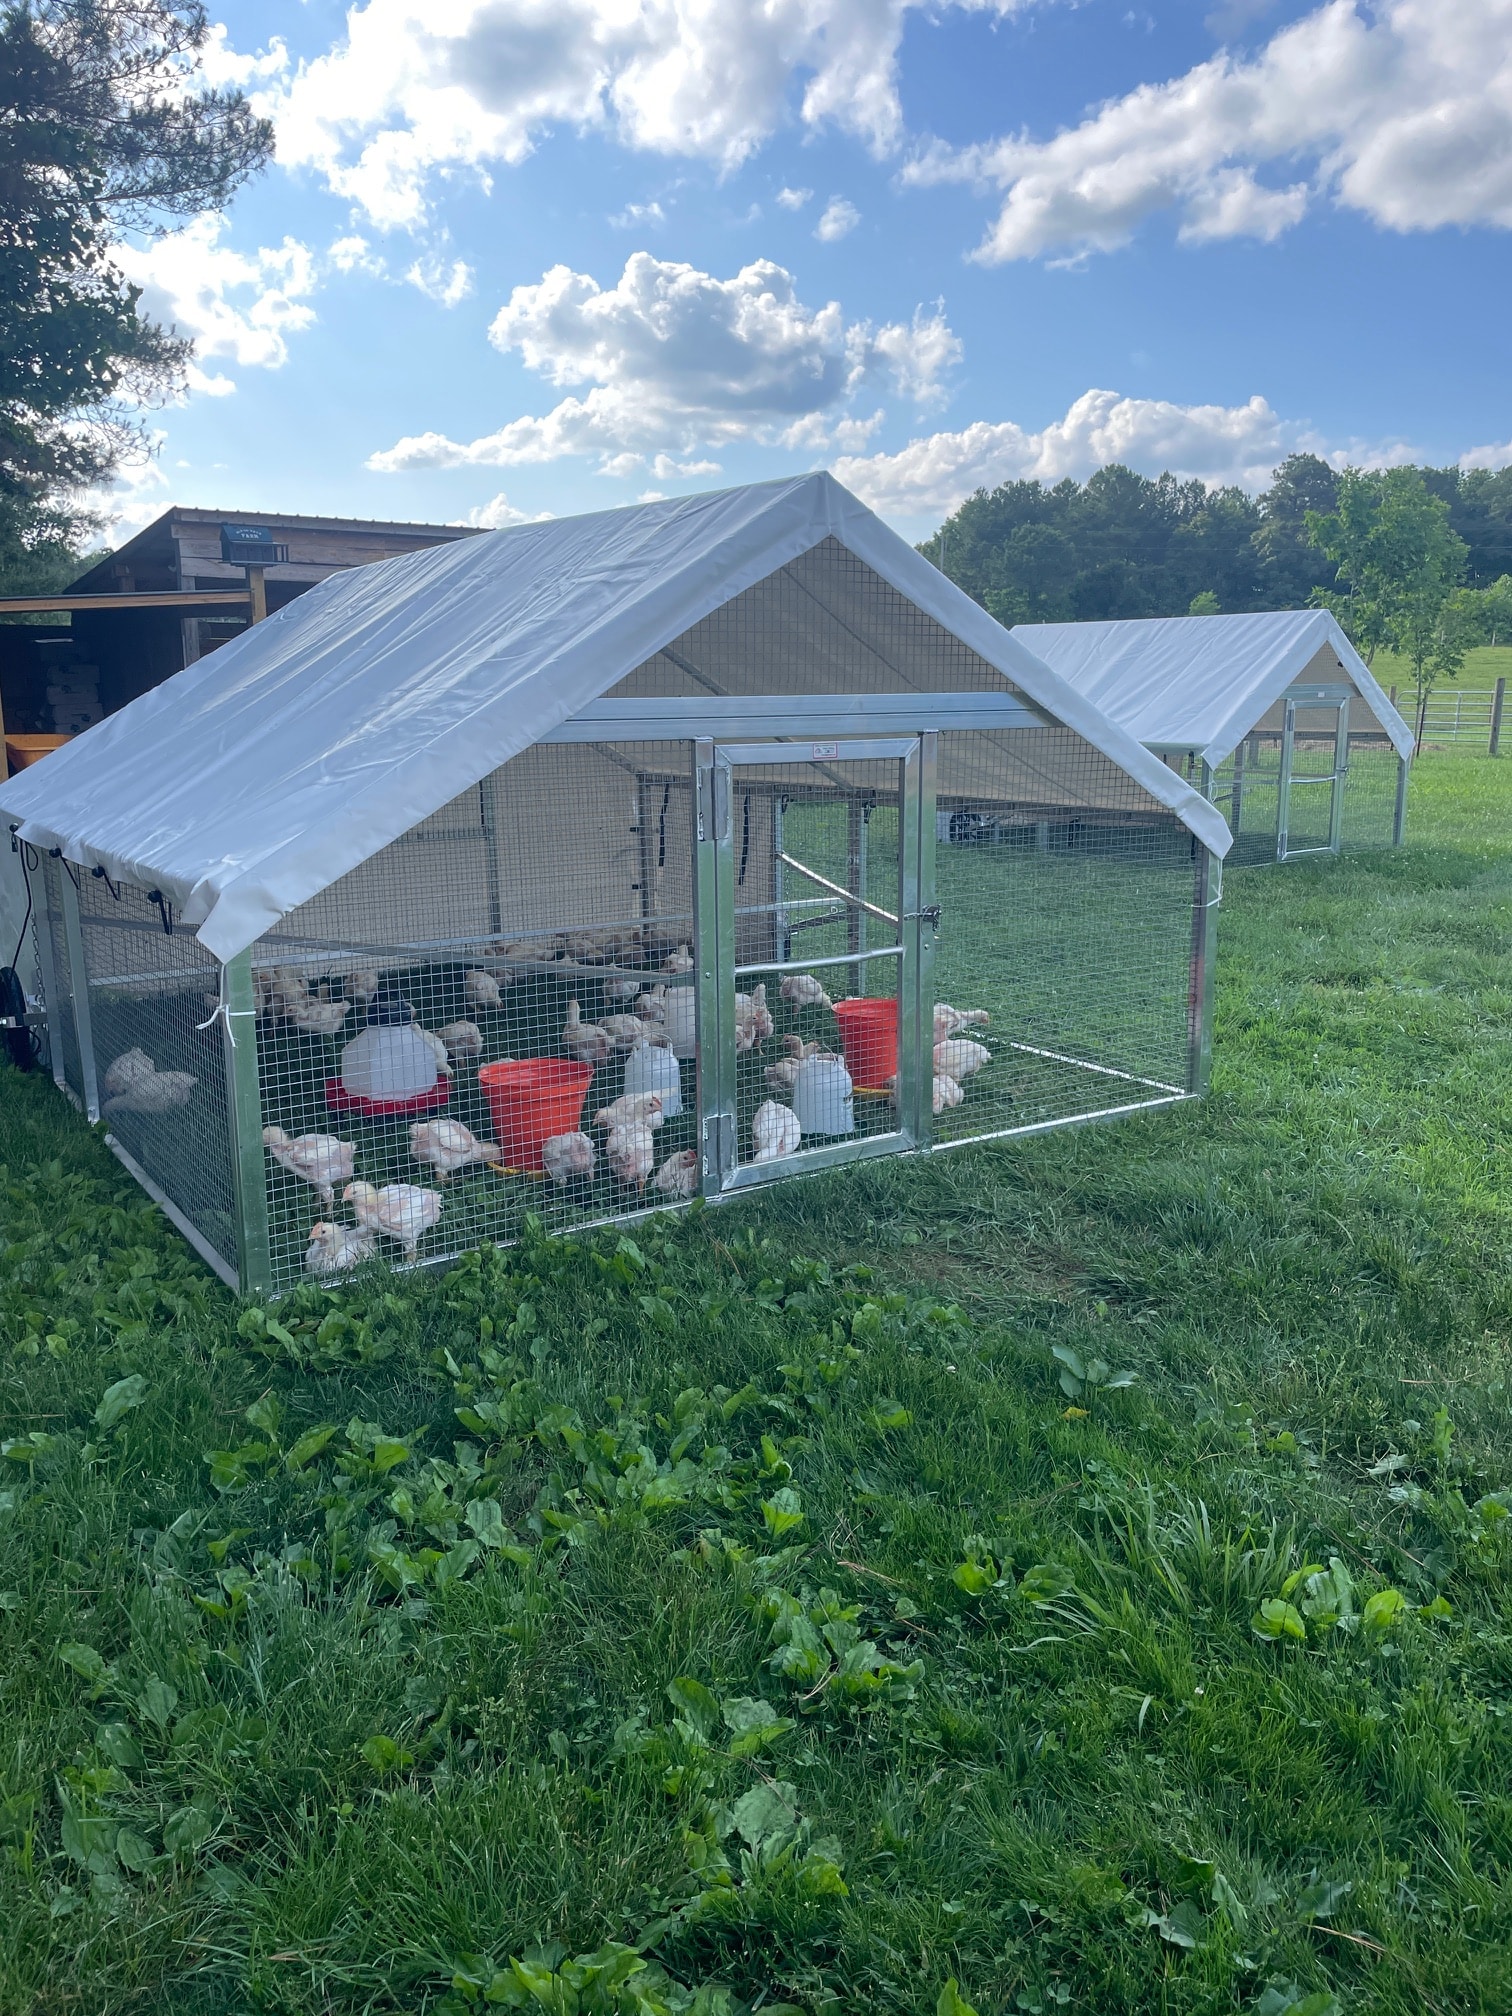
pixel 439 1029
pixel 818 877
pixel 159 1055
pixel 54 963
pixel 1063 963
pixel 1370 791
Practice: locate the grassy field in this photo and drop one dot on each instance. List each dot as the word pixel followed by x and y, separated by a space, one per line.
pixel 1076 1570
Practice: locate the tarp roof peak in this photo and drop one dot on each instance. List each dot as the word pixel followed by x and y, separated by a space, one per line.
pixel 256 777
pixel 1202 682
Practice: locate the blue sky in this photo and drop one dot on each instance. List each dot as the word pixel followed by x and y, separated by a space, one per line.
pixel 527 256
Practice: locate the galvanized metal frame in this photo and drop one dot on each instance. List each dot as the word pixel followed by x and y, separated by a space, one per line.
pixel 1399 815
pixel 216 1262
pixel 1335 696
pixel 47 970
pixel 78 979
pixel 793 717
pixel 244 1117
pixel 720 1170
pixel 1209 896
pixel 1341 775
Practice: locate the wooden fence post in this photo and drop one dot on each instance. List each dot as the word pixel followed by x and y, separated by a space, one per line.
pixel 1498 702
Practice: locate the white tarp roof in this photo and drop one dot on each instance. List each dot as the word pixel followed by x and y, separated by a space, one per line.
pixel 251 780
pixel 1202 682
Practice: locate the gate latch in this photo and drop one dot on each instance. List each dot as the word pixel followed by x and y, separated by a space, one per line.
pixel 929 915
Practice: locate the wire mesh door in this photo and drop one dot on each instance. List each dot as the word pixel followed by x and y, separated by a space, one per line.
pixel 1314 767
pixel 809 972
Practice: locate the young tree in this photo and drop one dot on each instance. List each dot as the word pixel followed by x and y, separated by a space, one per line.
pixel 1399 562
pixel 1496 609
pixel 106 128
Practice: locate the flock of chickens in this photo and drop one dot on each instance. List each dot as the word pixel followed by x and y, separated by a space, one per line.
pixel 641 1012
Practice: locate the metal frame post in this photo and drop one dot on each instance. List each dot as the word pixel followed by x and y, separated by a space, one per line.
pixel 42 925
pixel 1498 702
pixel 1284 777
pixel 920 913
pixel 714 959
pixel 1341 776
pixel 1208 897
pixel 244 1119
pixel 1399 816
pixel 78 981
pixel 855 881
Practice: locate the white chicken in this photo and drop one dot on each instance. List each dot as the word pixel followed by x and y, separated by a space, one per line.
pixel 402 1211
pixel 567 1158
pixel 631 1154
pixel 625 1031
pixel 946 1092
pixel 153 1092
pixel 950 1021
pixel 631 1109
pixel 623 987
pixel 321 1160
pixel 126 1070
pixel 437 1047
pixel 678 1175
pixel 783 1075
pixel 959 1058
pixel 462 1040
pixel 652 1005
pixel 482 990
pixel 333 1249
pixel 359 984
pixel 802 990
pixel 774 1131
pixel 585 1040
pixel 315 1017
pixel 449 1146
pixel 680 961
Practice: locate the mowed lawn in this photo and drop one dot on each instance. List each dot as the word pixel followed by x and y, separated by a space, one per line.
pixel 1076 1570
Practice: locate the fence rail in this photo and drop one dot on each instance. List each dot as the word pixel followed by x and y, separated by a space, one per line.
pixel 1466 717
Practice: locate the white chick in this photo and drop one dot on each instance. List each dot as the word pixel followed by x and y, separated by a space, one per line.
pixel 335 1248
pixel 321 1160
pixel 317 1018
pixel 774 1131
pixel 631 1109
pixel 359 984
pixel 958 1059
pixel 462 1040
pixel 783 1075
pixel 623 987
pixel 154 1092
pixel 680 961
pixel 402 1211
pixel 631 1154
pixel 678 1175
pixel 126 1070
pixel 625 1031
pixel 802 990
pixel 950 1021
pixel 946 1092
pixel 568 1157
pixel 482 990
pixel 652 1005
pixel 449 1146
pixel 437 1047
pixel 585 1040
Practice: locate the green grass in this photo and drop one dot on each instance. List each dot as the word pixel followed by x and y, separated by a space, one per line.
pixel 298 1729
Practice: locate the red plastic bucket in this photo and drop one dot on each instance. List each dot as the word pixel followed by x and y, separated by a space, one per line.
pixel 869 1038
pixel 532 1100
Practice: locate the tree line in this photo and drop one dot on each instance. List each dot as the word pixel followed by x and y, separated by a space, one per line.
pixel 1417 561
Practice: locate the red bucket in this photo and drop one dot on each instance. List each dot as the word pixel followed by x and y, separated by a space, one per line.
pixel 531 1101
pixel 869 1038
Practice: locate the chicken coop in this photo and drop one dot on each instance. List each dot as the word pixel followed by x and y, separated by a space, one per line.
pixel 597 865
pixel 1275 717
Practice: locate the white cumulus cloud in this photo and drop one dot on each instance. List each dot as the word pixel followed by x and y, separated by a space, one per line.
pixel 840 217
pixel 442 282
pixel 794 199
pixel 1216 444
pixel 671 361
pixel 242 306
pixel 498 513
pixel 416 89
pixel 1401 109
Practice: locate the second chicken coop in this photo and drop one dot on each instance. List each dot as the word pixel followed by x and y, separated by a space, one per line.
pixel 601 864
